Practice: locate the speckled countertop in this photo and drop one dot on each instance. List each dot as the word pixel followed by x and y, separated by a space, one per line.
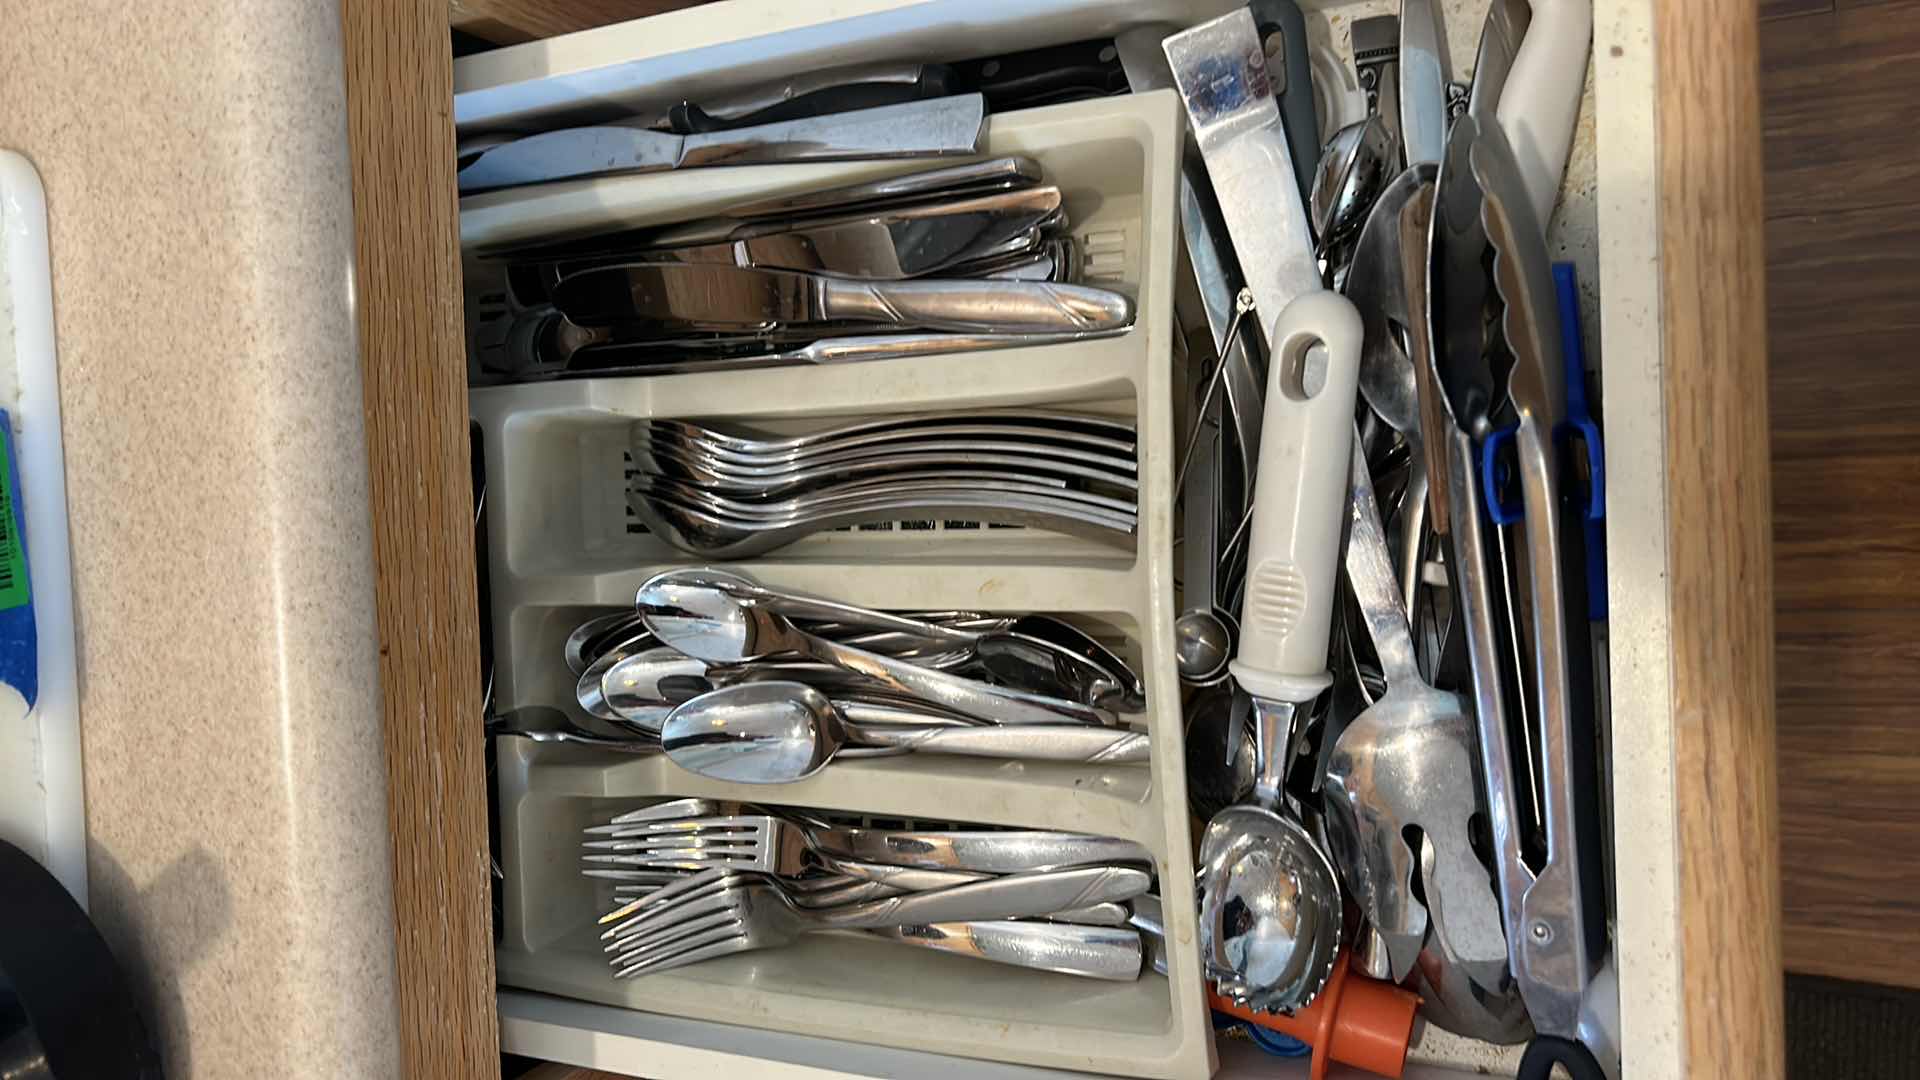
pixel 194 155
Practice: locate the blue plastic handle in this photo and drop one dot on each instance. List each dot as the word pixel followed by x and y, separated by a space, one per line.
pixel 1580 428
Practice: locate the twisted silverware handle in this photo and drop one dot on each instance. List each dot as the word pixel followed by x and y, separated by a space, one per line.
pixel 1031 742
pixel 1024 307
pixel 1012 897
pixel 1094 952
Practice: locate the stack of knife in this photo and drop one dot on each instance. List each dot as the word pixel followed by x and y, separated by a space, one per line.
pixel 949 259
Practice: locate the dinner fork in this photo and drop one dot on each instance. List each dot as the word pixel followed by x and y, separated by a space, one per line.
pixel 775 845
pixel 730 913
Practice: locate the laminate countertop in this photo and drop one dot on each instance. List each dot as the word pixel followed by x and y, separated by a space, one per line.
pixel 194 155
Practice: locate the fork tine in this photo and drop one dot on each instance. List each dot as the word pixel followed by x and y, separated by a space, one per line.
pixel 623 951
pixel 736 944
pixel 650 843
pixel 651 916
pixel 672 931
pixel 690 883
pixel 643 877
pixel 669 857
pixel 693 826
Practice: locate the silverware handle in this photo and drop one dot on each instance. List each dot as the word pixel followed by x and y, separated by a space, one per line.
pixel 1033 307
pixel 930 128
pixel 981 852
pixel 1370 572
pixel 1011 897
pixel 1029 742
pixel 843 350
pixel 1094 952
pixel 905 878
pixel 967 696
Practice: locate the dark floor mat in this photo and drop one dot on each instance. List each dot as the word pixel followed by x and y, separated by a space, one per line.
pixel 1851 1031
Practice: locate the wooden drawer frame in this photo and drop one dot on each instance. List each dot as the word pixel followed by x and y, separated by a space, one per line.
pixel 1710 308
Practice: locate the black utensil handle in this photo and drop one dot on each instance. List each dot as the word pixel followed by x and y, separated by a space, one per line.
pixel 935 80
pixel 1082 69
pixel 1297 113
pixel 1546 1051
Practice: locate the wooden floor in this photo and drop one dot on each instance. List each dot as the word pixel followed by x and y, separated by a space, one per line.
pixel 1841 83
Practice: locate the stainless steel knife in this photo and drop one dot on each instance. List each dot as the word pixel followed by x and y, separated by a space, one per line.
pixel 941 126
pixel 916 241
pixel 727 297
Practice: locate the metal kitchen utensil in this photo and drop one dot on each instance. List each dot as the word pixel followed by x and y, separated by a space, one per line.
pixel 704 532
pixel 1556 912
pixel 1269 898
pixel 918 240
pixel 950 125
pixel 543 724
pixel 769 843
pixel 555 353
pixel 1475 998
pixel 1270 902
pixel 594 96
pixel 923 185
pixel 1355 167
pixel 862 88
pixel 712 625
pixel 1215 269
pixel 727 297
pixel 756 914
pixel 1005 459
pixel 596 635
pixel 1376 59
pixel 588 691
pixel 1081 428
pixel 1219 69
pixel 1402 772
pixel 1098 952
pixel 1425 72
pixel 778 732
pixel 1377 285
pixel 1500 37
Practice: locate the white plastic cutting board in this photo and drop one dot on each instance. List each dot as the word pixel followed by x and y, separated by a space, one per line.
pixel 42 809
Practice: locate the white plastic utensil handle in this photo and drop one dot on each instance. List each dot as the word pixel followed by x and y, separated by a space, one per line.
pixel 1298 500
pixel 1541 100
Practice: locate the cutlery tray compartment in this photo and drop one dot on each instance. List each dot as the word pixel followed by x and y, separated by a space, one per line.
pixel 563 547
pixel 833 985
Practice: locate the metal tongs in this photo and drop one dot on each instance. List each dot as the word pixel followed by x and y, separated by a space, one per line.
pixel 1549 864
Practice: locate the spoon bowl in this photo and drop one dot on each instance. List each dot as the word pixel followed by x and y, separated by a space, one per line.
pixel 754 733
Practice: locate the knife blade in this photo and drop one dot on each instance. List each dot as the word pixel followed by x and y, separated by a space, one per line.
pixel 726 297
pixel 941 126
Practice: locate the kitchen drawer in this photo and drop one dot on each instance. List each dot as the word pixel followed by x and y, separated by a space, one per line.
pixel 1662 214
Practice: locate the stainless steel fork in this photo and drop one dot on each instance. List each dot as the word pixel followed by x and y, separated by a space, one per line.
pixel 776 845
pixel 719 914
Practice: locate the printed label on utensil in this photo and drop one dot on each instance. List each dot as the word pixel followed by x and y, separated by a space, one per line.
pixel 15 588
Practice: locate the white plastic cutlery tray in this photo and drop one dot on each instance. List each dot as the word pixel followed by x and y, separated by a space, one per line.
pixel 562 548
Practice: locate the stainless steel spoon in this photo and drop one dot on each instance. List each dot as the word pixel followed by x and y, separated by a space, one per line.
pixel 543 724
pixel 710 624
pixel 779 732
